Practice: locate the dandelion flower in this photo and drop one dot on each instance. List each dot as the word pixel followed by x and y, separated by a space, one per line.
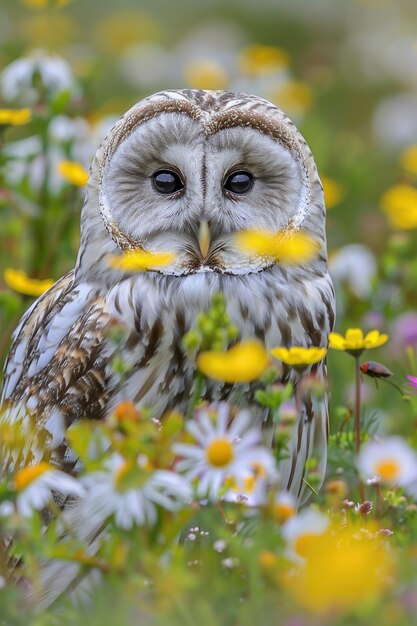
pixel 20 282
pixel 297 355
pixel 15 117
pixel 242 363
pixel 73 172
pixel 285 248
pixel 355 342
pixel 392 461
pixel 140 260
pixel 224 454
pixel 400 205
pixel 132 492
pixel 333 191
pixel 342 570
pixel 36 484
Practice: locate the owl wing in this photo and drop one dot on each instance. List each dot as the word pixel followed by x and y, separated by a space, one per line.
pixel 56 369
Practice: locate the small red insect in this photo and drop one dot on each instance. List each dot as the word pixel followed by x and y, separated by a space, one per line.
pixel 375 370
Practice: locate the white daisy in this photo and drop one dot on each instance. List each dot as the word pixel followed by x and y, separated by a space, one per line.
pixel 300 531
pixel 36 484
pixel 392 461
pixel 226 453
pixel 54 73
pixel 132 496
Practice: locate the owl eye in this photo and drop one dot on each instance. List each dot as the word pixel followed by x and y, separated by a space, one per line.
pixel 239 182
pixel 166 182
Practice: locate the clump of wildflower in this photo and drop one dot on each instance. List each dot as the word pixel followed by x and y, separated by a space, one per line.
pixel 225 452
pixel 20 282
pixel 15 117
pixel 343 569
pixel 36 484
pixel 242 363
pixel 287 248
pixel 392 461
pixel 140 260
pixel 354 342
pixel 299 356
pixel 73 172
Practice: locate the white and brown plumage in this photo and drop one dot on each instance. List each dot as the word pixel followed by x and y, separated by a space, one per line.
pixel 60 364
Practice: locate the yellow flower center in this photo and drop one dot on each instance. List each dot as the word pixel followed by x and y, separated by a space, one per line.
pixel 219 452
pixel 388 469
pixel 282 511
pixel 28 474
pixel 304 543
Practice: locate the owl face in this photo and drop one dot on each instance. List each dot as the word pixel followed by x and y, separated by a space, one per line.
pixel 191 172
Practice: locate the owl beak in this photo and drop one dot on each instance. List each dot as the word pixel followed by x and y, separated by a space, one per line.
pixel 204 239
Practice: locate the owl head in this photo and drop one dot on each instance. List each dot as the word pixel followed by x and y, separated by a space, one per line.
pixel 183 171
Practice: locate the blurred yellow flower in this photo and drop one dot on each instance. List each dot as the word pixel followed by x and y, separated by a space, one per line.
pixel 48 29
pixel 25 476
pixel 15 117
pixel 299 356
pixel 334 192
pixel 289 248
pixel 256 60
pixel 400 205
pixel 73 172
pixel 243 363
pixel 20 282
pixel 118 30
pixel 140 260
pixel 292 96
pixel 355 342
pixel 342 569
pixel 205 75
pixel 41 4
pixel 408 159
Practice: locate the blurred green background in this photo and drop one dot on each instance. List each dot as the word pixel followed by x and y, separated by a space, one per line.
pixel 346 72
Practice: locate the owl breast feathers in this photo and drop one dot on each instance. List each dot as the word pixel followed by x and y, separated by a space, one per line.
pixel 176 163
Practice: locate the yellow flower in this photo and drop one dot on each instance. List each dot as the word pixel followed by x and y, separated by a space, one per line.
pixel 400 205
pixel 206 75
pixel 408 159
pixel 73 172
pixel 20 282
pixel 140 260
pixel 334 192
pixel 292 96
pixel 288 248
pixel 355 343
pixel 256 60
pixel 297 355
pixel 15 117
pixel 342 569
pixel 243 363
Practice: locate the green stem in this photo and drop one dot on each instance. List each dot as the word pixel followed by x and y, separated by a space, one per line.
pixel 357 406
pixel 358 420
pixel 196 397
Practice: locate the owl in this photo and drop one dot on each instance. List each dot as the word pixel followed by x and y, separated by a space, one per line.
pixel 178 163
